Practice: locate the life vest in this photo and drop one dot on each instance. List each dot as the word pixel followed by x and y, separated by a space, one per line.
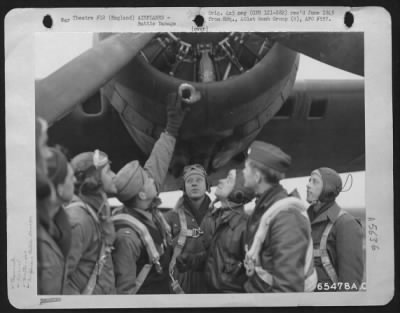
pixel 252 259
pixel 322 252
pixel 141 229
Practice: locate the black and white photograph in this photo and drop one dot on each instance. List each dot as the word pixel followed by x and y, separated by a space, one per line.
pixel 215 168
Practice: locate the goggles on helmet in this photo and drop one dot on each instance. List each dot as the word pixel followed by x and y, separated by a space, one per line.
pixel 194 168
pixel 100 159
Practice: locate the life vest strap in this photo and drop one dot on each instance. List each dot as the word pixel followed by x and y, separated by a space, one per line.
pixel 182 221
pixel 317 253
pixel 141 277
pixel 180 244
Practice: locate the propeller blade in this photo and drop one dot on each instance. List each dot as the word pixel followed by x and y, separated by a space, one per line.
pixel 342 50
pixel 58 93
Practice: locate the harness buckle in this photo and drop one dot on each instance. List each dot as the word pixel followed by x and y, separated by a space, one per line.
pixel 158 266
pixel 249 265
pixel 197 232
pixel 175 286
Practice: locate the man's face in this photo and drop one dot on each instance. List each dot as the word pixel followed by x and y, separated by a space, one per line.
pixel 195 186
pixel 108 180
pixel 314 187
pixel 66 189
pixel 249 176
pixel 226 185
pixel 149 187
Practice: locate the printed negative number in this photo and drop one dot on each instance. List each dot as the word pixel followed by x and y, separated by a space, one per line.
pixel 373 233
pixel 339 286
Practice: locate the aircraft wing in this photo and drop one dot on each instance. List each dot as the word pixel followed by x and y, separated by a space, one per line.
pixel 57 94
pixel 333 48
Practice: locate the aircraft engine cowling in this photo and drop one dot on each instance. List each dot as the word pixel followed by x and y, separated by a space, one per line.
pixel 244 79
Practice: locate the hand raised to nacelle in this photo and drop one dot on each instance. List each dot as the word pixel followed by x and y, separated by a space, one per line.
pixel 176 108
pixel 188 93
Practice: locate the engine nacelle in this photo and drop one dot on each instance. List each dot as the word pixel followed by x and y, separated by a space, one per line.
pixel 243 78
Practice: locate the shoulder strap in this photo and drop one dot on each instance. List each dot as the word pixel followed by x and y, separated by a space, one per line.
pixel 91 284
pixel 181 239
pixel 322 252
pixel 165 226
pixel 140 278
pixel 142 231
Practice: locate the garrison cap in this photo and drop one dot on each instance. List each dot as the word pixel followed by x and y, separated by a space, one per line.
pixel 269 156
pixel 129 181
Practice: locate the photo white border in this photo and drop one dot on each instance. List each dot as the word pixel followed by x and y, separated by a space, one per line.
pixel 20 28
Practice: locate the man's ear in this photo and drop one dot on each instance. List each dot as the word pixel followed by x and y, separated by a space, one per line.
pixel 257 176
pixel 142 195
pixel 59 190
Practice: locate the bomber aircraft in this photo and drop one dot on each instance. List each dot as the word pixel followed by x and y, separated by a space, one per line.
pixel 112 97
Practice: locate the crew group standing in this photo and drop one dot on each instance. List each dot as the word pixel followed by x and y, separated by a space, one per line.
pixel 198 247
